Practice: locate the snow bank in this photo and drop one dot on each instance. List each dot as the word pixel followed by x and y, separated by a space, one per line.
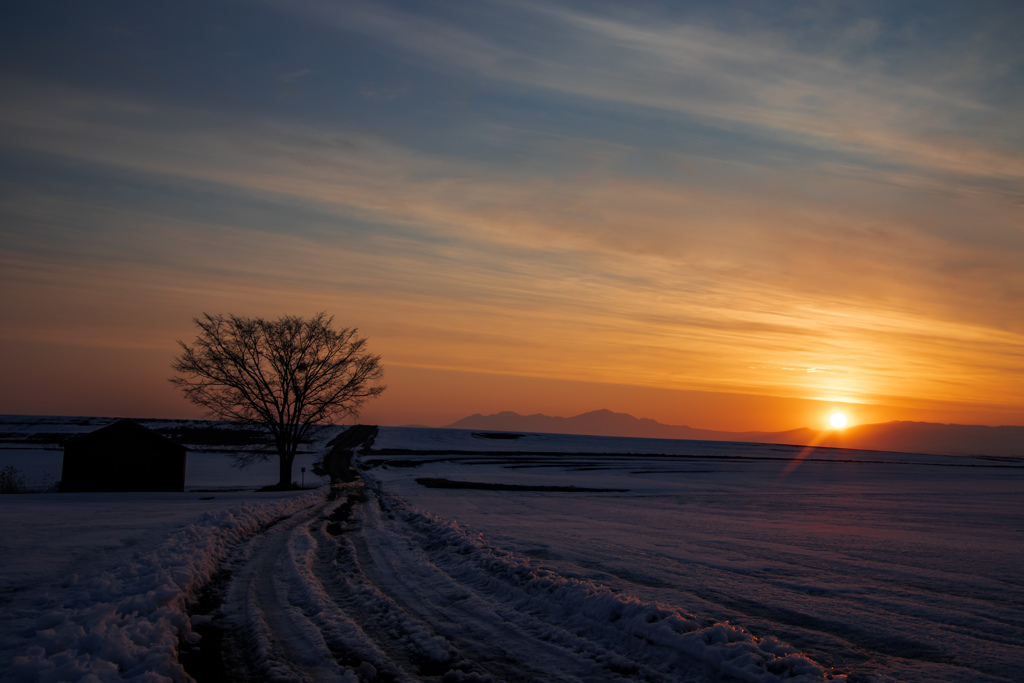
pixel 126 624
pixel 638 631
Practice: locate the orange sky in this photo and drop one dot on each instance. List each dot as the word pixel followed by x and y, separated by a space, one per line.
pixel 675 214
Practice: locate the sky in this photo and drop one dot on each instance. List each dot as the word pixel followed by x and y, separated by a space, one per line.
pixel 732 215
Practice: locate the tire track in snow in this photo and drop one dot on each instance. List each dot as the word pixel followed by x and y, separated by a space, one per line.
pixel 270 638
pixel 386 594
pixel 479 629
pixel 286 615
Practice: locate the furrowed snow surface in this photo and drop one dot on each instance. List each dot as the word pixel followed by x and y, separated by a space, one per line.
pixel 882 566
pixel 523 622
pixel 393 594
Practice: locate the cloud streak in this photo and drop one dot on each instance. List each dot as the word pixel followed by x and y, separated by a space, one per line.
pixel 736 82
pixel 645 283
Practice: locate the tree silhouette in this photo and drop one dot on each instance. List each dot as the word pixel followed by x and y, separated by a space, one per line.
pixel 285 375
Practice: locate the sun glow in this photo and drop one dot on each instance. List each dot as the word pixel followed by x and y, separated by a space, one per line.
pixel 837 420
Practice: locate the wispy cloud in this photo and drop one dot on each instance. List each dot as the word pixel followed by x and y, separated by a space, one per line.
pixel 733 81
pixel 294 76
pixel 646 281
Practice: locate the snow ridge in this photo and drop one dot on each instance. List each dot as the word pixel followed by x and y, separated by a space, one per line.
pixel 127 624
pixel 636 632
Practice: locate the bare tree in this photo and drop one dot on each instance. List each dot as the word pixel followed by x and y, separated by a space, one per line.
pixel 286 375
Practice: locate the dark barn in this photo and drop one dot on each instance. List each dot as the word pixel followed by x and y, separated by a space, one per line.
pixel 124 456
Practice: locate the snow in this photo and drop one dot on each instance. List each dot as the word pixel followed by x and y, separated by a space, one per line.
pixel 204 469
pixel 883 565
pixel 469 441
pixel 589 628
pixel 719 560
pixel 95 586
pixel 105 596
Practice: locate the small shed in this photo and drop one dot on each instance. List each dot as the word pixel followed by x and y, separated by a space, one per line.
pixel 123 456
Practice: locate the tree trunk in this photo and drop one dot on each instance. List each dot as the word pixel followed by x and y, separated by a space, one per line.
pixel 285 475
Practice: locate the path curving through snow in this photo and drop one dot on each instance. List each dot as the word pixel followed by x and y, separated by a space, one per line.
pixel 365 588
pixel 279 642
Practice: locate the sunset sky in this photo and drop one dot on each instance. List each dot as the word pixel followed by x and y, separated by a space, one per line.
pixel 732 215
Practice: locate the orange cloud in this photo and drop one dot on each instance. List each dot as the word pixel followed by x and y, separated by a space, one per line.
pixel 715 284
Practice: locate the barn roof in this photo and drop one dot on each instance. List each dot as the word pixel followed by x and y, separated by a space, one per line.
pixel 123 430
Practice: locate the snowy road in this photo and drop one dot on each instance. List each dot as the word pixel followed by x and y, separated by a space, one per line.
pixel 366 588
pixel 280 642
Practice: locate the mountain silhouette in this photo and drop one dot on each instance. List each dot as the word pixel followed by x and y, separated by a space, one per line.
pixel 907 437
pixel 608 423
pixel 930 437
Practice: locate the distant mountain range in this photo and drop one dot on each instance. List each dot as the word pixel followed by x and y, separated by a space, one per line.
pixel 907 437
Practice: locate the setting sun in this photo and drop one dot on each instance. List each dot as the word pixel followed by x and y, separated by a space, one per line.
pixel 837 420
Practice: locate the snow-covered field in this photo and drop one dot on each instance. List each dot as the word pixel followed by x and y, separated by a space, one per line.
pixel 885 566
pixel 713 561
